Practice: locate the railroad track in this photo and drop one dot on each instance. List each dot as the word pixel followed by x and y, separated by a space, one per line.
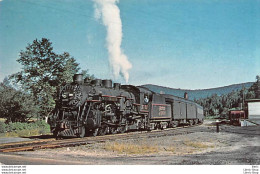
pixel 52 143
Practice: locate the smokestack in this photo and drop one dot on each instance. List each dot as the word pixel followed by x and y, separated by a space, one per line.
pixel 110 14
pixel 117 86
pixel 78 78
pixel 96 82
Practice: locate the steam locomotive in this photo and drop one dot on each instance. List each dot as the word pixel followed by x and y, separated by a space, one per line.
pixel 96 107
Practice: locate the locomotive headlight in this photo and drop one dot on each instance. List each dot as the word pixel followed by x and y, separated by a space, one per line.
pixel 64 95
pixel 70 95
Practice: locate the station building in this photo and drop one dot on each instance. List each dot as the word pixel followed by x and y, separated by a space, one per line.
pixel 253 106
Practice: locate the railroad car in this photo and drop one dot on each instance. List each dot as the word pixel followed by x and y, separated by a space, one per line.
pixel 99 107
pixel 235 116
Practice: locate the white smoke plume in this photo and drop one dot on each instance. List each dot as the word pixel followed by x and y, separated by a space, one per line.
pixel 108 11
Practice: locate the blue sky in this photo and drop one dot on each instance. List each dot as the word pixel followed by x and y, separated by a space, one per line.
pixel 192 44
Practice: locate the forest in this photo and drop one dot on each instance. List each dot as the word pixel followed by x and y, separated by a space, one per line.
pixel 219 105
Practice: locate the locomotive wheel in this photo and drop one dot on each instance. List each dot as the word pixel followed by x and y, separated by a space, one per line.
pixel 94 132
pixel 161 127
pixel 82 132
pixel 113 130
pixel 173 125
pixel 122 129
pixel 177 123
pixel 157 126
pixel 103 131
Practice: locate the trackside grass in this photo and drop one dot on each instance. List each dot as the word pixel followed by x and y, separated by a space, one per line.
pixel 129 148
pixel 23 129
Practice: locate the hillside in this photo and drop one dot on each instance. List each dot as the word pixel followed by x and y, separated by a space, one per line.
pixel 198 93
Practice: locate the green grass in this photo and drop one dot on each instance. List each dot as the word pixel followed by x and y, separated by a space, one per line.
pixel 24 129
pixel 22 133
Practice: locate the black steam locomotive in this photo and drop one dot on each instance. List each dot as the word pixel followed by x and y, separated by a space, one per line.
pixel 97 108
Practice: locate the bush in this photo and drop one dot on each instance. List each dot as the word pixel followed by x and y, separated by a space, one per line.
pixel 25 129
pixel 2 127
pixel 15 105
pixel 43 127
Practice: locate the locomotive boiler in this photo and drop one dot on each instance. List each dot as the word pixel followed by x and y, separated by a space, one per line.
pixel 99 107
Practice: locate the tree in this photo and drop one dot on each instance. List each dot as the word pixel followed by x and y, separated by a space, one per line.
pixel 254 90
pixel 43 71
pixel 87 75
pixel 215 105
pixel 16 105
pixel 257 90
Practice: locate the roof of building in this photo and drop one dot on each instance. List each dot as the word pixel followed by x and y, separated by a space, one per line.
pixel 253 100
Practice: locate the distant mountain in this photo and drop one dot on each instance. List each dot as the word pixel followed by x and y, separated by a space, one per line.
pixel 198 93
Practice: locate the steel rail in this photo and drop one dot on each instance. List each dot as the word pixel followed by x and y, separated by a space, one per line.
pixel 23 143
